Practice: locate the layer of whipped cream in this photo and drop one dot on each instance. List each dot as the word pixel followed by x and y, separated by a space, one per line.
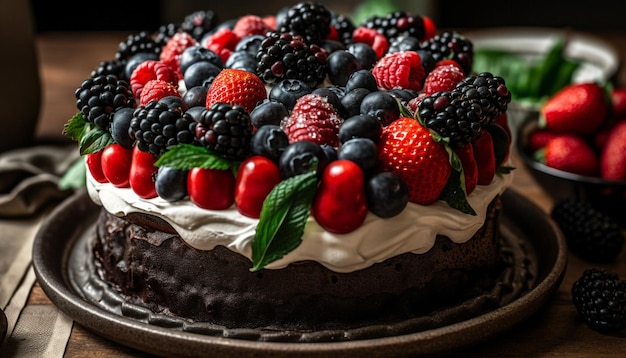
pixel 414 230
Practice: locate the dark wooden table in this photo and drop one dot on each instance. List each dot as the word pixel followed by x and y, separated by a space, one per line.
pixel 555 331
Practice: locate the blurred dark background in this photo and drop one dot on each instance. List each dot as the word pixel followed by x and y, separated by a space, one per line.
pixel 149 15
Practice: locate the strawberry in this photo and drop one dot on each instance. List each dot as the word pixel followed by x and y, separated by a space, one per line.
pixel 249 25
pixel 618 101
pixel 143 174
pixel 211 189
pixel 579 108
pixel 257 176
pixel 485 158
pixel 236 87
pixel 538 138
pixel 340 203
pixel 400 70
pixel 151 70
pixel 470 168
pixel 154 90
pixel 613 155
pixel 443 77
pixel 116 164
pixel 407 149
pixel 173 49
pixel 570 153
pixel 94 164
pixel 313 119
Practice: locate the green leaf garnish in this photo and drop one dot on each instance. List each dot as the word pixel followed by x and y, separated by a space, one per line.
pixel 75 176
pixel 283 218
pixel 189 156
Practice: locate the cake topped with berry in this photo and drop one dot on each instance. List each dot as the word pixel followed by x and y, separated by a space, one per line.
pixel 294 143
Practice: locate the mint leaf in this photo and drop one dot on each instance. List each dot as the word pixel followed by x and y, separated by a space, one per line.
pixel 283 218
pixel 94 140
pixel 76 127
pixel 75 176
pixel 189 156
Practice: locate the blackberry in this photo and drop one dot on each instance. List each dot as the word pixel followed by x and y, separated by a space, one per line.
pixel 115 67
pixel 600 299
pixel 225 130
pixel 307 19
pixel 451 45
pixel 589 233
pixel 285 56
pixel 160 124
pixel 137 43
pixel 397 24
pixel 99 97
pixel 344 26
pixel 199 23
pixel 459 114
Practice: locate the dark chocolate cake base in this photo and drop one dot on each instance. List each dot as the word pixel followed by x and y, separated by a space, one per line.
pixel 154 268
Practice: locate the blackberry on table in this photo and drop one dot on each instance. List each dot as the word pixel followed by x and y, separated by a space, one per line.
pixel 600 299
pixel 99 97
pixel 307 19
pixel 137 43
pixel 451 45
pixel 589 233
pixel 159 125
pixel 225 130
pixel 459 114
pixel 397 24
pixel 284 56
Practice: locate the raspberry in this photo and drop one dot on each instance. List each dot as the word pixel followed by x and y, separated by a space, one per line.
pixel 151 70
pixel 373 38
pixel 154 90
pixel 250 25
pixel 313 119
pixel 222 42
pixel 170 54
pixel 443 78
pixel 400 70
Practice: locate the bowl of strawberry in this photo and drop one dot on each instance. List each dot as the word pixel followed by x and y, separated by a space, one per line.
pixel 576 145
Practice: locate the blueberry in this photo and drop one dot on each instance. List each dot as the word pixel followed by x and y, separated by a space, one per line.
pixel 387 195
pixel 299 157
pixel 120 126
pixel 341 64
pixel 382 105
pixel 331 97
pixel 361 151
pixel 288 91
pixel 136 59
pixel 195 96
pixel 269 141
pixel 241 60
pixel 200 74
pixel 361 126
pixel 171 184
pixel 364 53
pixel 362 79
pixel 250 44
pixel 268 112
pixel 351 101
pixel 197 53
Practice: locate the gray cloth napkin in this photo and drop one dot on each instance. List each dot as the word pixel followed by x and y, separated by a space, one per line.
pixel 29 189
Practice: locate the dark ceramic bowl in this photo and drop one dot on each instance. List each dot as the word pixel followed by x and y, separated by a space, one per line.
pixel 606 195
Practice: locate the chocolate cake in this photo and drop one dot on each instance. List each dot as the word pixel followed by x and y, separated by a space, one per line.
pixel 321 175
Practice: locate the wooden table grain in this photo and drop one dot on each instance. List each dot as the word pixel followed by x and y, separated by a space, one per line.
pixel 555 331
